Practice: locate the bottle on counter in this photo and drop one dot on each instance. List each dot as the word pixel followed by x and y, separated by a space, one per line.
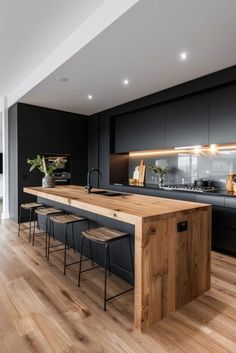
pixel 230 182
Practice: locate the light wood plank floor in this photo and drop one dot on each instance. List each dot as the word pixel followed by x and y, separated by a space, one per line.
pixel 41 310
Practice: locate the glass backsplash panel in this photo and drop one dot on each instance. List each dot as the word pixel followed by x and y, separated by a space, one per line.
pixel 185 168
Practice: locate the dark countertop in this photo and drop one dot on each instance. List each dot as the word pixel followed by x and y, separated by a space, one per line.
pixel 218 192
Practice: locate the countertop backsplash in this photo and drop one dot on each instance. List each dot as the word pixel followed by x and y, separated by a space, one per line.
pixel 185 168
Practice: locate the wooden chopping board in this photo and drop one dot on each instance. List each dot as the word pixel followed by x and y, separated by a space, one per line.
pixel 141 172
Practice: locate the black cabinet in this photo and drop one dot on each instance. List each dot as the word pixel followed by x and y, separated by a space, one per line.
pixel 224 229
pixel 140 130
pixel 187 121
pixel 222 115
pixel 224 240
pixel 211 199
pixel 35 130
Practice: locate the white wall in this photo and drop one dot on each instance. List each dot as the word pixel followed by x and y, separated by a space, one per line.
pixel 1 176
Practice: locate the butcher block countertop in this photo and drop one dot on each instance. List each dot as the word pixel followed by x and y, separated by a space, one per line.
pixel 172 243
pixel 128 206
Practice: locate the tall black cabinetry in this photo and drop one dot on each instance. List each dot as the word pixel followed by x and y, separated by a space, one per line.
pixel 35 130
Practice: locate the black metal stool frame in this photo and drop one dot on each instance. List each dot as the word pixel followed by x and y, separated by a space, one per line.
pixel 107 265
pixel 31 217
pixel 47 227
pixel 65 246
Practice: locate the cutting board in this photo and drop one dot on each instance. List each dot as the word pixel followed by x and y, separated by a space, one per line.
pixel 141 172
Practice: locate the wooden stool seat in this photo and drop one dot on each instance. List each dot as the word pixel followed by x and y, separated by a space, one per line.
pixel 46 211
pixel 30 205
pixel 67 218
pixel 103 234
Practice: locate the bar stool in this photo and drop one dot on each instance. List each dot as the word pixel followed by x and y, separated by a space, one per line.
pixel 66 220
pixel 104 236
pixel 31 207
pixel 46 212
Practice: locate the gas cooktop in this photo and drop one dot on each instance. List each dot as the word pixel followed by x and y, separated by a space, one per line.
pixel 189 187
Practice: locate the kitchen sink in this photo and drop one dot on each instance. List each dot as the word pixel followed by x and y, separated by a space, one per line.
pixel 108 193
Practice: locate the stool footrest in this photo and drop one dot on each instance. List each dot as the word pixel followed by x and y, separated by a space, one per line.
pixel 77 262
pixel 41 233
pixel 55 250
pixel 117 295
pixel 91 268
pixel 27 228
pixel 54 246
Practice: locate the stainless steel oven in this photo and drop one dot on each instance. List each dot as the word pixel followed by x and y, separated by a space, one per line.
pixel 63 172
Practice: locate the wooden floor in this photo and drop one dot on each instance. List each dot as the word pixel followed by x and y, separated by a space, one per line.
pixel 41 310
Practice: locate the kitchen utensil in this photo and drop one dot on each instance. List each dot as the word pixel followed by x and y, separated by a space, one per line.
pixel 201 183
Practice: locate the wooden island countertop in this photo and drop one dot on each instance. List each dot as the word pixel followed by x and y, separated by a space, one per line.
pixel 172 245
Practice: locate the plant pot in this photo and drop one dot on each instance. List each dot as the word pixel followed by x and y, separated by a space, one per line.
pixel 48 181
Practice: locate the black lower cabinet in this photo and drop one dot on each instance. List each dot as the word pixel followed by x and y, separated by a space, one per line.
pixel 224 240
pixel 224 230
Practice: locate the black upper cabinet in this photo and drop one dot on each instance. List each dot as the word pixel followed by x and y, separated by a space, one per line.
pixel 187 121
pixel 200 119
pixel 140 130
pixel 222 115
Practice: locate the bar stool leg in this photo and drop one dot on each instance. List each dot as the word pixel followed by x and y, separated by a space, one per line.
pixel 19 221
pixel 49 238
pixel 81 257
pixel 73 235
pixel 46 236
pixel 66 244
pixel 105 282
pixel 30 225
pixel 34 225
pixel 108 258
pixel 91 251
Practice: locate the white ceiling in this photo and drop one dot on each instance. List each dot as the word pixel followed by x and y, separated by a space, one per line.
pixel 143 45
pixel 30 30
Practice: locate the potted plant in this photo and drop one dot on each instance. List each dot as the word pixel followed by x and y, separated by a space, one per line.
pixel 48 180
pixel 160 171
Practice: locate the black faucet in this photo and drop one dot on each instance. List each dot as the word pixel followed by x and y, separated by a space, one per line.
pixel 89 187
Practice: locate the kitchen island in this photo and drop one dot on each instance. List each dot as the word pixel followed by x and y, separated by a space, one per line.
pixel 172 245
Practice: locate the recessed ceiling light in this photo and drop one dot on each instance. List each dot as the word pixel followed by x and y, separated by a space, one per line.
pixel 125 82
pixel 90 97
pixel 183 56
pixel 62 79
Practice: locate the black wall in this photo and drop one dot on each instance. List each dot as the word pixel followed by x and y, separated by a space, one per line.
pixel 35 130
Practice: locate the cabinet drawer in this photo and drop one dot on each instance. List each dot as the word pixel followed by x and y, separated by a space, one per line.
pixel 224 217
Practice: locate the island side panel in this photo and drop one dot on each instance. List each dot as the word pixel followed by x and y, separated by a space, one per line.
pixel 192 258
pixel 172 267
pixel 151 270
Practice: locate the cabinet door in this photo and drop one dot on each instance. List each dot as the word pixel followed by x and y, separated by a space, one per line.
pixel 187 122
pixel 224 229
pixel 140 130
pixel 222 115
pixel 224 240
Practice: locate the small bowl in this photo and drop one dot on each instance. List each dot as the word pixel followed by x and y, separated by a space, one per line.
pixel 133 181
